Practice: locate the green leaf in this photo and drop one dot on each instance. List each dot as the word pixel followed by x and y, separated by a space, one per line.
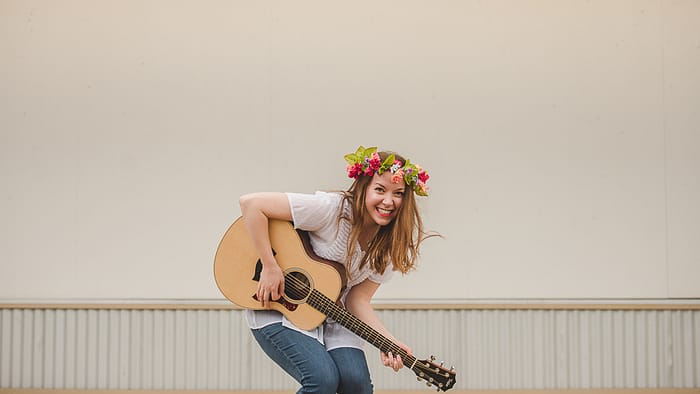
pixel 388 162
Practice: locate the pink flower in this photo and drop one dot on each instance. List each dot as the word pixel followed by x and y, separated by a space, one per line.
pixel 397 177
pixel 375 162
pixel 422 189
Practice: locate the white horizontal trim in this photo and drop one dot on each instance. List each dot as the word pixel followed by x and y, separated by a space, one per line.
pixel 162 304
pixel 569 391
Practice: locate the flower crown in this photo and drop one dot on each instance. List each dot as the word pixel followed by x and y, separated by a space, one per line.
pixel 366 161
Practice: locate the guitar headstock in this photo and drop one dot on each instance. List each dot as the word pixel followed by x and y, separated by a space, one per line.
pixel 435 375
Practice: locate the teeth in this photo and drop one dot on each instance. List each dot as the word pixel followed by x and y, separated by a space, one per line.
pixel 384 211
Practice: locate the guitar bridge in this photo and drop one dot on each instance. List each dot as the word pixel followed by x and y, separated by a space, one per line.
pixel 286 304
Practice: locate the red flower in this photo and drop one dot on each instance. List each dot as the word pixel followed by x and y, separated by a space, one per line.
pixel 354 171
pixel 423 176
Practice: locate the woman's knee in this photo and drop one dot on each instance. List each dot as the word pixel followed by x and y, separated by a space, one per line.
pixel 353 370
pixel 323 380
pixel 352 382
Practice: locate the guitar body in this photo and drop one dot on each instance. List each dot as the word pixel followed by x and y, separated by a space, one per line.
pixel 237 268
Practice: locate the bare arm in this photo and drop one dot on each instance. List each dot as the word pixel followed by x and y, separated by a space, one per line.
pixel 358 303
pixel 257 209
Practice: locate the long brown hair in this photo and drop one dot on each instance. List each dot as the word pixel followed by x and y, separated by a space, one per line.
pixel 399 241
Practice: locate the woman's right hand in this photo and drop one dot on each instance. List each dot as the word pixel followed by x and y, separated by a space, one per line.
pixel 271 285
pixel 257 209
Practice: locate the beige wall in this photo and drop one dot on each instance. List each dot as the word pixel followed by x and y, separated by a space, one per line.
pixel 562 138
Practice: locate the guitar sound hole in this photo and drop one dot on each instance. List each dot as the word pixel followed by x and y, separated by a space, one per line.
pixel 297 286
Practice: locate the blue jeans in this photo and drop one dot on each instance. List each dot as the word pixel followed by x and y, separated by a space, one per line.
pixel 341 370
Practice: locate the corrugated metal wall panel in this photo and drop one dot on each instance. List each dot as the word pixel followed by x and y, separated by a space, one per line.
pixel 213 349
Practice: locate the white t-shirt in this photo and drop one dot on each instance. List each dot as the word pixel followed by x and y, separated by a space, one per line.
pixel 318 214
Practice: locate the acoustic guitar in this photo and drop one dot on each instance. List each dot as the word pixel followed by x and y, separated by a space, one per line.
pixel 312 286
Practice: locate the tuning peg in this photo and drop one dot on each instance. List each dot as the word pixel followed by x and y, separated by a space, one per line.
pixel 427 384
pixel 452 369
pixel 442 363
pixel 419 379
pixel 432 358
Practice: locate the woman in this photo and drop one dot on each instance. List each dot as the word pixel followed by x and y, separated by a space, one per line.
pixel 373 228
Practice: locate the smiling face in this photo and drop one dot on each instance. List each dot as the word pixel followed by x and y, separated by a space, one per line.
pixel 383 199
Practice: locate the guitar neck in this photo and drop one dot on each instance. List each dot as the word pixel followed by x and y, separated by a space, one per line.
pixel 329 308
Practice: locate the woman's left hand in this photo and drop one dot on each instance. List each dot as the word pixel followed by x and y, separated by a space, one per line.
pixel 394 361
